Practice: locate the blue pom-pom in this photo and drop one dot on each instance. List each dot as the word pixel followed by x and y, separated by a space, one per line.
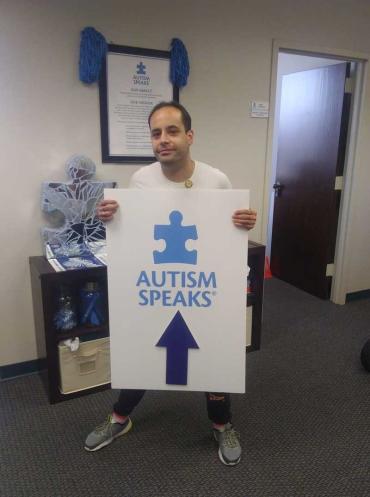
pixel 93 48
pixel 179 66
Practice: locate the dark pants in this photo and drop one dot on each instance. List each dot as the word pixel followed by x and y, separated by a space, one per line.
pixel 218 405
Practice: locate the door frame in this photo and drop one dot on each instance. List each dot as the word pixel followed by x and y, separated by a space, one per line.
pixel 338 290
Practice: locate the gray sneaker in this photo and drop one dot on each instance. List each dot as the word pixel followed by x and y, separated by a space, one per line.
pixel 229 450
pixel 105 434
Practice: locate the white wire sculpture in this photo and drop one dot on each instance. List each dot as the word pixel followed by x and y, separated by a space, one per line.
pixel 71 208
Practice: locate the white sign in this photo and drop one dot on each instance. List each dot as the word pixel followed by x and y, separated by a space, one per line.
pixel 177 290
pixel 135 85
pixel 259 109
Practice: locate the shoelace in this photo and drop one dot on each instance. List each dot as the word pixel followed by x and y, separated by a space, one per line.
pixel 231 438
pixel 104 425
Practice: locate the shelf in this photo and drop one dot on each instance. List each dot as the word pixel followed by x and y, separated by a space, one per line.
pixel 81 331
pixel 45 283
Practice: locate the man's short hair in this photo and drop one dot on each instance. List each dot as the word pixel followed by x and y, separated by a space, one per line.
pixel 185 116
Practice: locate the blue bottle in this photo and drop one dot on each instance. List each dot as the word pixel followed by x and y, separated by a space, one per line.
pixel 65 317
pixel 91 305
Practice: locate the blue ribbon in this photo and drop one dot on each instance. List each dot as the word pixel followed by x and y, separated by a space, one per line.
pixel 91 308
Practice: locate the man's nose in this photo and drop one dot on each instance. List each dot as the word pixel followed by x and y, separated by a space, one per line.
pixel 164 137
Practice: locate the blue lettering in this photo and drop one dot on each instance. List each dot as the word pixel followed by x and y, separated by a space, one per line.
pixel 203 281
pixel 179 281
pixel 206 298
pixel 192 282
pixel 143 278
pixel 142 295
pixel 154 278
pixel 193 298
pixel 179 299
pixel 173 275
pixel 166 298
pixel 154 295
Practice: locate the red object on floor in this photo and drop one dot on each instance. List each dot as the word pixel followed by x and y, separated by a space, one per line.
pixel 267 273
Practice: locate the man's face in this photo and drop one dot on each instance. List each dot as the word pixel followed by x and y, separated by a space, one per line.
pixel 170 141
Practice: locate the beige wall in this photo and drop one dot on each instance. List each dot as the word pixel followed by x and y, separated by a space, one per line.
pixel 47 114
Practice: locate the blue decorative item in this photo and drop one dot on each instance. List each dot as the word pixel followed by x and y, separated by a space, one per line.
pixel 179 66
pixel 65 316
pixel 177 339
pixel 91 305
pixel 71 207
pixel 175 235
pixel 93 48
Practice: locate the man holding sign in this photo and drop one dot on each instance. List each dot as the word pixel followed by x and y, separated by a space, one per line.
pixel 172 136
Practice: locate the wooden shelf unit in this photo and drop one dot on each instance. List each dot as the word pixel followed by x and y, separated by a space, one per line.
pixel 256 262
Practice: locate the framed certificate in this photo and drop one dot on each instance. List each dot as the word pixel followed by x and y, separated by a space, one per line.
pixel 132 82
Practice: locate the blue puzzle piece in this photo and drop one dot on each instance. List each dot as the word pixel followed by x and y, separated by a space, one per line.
pixel 140 68
pixel 175 236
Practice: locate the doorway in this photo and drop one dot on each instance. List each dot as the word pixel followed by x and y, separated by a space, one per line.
pixel 312 116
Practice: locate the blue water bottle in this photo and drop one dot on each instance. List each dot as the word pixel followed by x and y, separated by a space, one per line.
pixel 65 318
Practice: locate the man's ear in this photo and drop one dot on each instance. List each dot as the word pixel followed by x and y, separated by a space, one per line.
pixel 190 135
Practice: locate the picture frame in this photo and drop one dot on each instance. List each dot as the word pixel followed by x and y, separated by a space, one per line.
pixel 132 81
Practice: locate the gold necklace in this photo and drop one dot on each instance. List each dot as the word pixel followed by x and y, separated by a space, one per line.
pixel 188 183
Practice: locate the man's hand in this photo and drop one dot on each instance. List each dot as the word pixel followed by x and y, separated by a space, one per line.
pixel 245 218
pixel 106 209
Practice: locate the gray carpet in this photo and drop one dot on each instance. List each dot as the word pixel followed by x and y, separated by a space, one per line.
pixel 304 422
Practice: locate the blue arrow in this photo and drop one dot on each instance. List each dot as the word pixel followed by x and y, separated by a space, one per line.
pixel 177 338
